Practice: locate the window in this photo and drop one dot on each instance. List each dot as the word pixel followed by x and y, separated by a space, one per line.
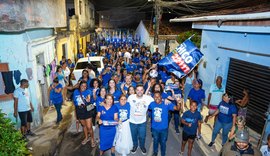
pixel 83 65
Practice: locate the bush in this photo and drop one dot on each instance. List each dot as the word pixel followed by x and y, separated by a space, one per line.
pixel 11 142
pixel 196 39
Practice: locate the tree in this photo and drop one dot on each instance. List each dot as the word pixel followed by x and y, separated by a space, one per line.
pixel 11 142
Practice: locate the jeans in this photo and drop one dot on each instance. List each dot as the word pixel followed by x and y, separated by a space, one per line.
pixel 225 130
pixel 138 131
pixel 58 111
pixel 176 118
pixel 160 137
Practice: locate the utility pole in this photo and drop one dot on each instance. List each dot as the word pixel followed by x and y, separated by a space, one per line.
pixel 158 11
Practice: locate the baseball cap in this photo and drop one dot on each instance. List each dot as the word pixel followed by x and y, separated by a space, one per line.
pixel 242 136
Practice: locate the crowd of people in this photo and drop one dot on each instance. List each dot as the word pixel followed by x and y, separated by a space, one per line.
pixel 133 89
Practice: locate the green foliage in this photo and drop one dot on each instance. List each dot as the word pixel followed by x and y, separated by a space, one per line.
pixel 11 142
pixel 196 39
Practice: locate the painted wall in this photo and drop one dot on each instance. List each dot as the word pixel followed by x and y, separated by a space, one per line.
pixel 84 11
pixel 142 32
pixel 22 15
pixel 20 51
pixel 217 60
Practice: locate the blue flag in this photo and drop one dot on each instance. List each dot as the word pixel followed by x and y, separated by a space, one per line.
pixel 182 59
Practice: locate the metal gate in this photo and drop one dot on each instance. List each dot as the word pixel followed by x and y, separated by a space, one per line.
pixel 256 78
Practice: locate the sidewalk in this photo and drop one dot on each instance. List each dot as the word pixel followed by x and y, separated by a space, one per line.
pixel 49 135
pixel 207 128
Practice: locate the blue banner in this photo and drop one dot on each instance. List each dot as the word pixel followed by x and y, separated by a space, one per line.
pixel 182 59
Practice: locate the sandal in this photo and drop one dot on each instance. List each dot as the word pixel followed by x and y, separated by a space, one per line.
pixel 93 144
pixel 85 141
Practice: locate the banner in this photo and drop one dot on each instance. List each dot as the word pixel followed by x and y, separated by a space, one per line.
pixel 182 59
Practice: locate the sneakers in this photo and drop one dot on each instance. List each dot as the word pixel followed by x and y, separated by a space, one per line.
pixel 30 133
pixel 134 149
pixel 199 136
pixel 177 131
pixel 143 151
pixel 211 144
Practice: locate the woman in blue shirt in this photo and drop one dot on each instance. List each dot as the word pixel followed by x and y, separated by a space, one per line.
pixel 112 89
pixel 123 143
pixel 94 88
pixel 107 118
pixel 101 97
pixel 226 119
pixel 56 98
pixel 84 111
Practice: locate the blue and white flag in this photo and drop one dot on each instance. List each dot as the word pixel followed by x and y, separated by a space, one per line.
pixel 182 59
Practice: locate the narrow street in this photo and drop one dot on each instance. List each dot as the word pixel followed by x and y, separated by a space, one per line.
pixel 63 61
pixel 71 144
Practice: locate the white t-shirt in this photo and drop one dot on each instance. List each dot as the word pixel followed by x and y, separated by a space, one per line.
pixel 265 151
pixel 138 108
pixel 217 93
pixel 169 81
pixel 66 72
pixel 127 55
pixel 23 99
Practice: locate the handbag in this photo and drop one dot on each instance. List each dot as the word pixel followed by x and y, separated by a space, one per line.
pixel 89 106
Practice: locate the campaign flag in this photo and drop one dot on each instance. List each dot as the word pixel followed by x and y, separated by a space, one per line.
pixel 182 59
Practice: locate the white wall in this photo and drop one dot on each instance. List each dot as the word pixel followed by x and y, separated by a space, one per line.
pixel 16 50
pixel 142 32
pixel 217 60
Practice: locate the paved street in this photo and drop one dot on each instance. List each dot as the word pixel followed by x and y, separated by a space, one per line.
pixel 71 144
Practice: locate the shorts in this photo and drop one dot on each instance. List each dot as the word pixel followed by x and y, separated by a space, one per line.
pixel 25 117
pixel 82 113
pixel 212 109
pixel 186 136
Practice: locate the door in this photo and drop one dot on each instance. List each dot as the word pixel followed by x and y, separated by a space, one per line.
pixel 256 78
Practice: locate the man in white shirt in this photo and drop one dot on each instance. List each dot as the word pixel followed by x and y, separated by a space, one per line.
pixel 139 103
pixel 23 107
pixel 215 97
pixel 265 149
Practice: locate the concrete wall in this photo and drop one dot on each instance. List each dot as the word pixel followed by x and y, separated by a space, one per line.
pixel 20 51
pixel 217 60
pixel 84 11
pixel 22 15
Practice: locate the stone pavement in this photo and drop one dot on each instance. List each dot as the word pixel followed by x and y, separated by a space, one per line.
pixel 49 135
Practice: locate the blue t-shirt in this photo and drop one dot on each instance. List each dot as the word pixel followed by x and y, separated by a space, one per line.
pixel 160 113
pixel 226 111
pixel 107 115
pixel 77 97
pixel 126 88
pixel 197 95
pixel 92 100
pixel 193 118
pixel 164 76
pixel 55 97
pixel 116 95
pixel 106 77
pixel 99 100
pixel 87 82
pixel 123 111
